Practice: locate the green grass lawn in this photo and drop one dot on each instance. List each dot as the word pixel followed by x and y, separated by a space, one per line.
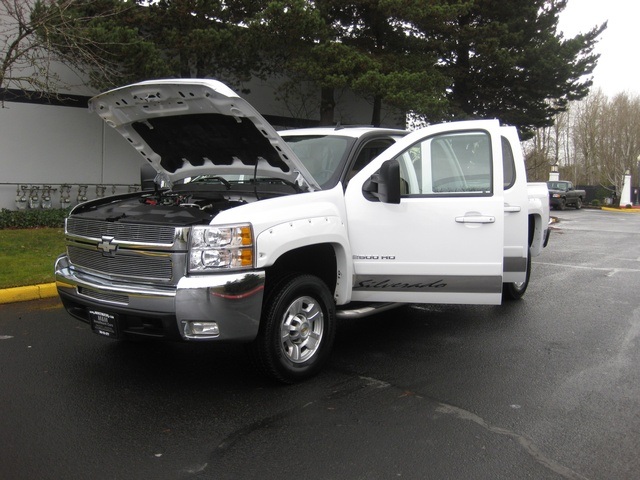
pixel 27 256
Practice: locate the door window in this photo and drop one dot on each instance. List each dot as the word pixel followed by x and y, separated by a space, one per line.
pixel 450 164
pixel 508 164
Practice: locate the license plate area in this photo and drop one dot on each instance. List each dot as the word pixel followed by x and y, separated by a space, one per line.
pixel 104 324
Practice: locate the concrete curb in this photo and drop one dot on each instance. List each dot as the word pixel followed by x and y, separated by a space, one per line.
pixel 624 210
pixel 31 292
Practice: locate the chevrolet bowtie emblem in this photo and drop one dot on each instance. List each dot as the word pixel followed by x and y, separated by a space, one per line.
pixel 108 247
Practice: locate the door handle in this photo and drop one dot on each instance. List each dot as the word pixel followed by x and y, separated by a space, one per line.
pixel 476 219
pixel 512 208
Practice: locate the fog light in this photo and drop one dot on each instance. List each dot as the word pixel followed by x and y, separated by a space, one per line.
pixel 201 329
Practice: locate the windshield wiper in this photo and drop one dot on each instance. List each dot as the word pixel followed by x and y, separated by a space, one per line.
pixel 272 180
pixel 207 178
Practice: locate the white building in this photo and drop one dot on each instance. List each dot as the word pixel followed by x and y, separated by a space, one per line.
pixel 55 153
pixel 57 146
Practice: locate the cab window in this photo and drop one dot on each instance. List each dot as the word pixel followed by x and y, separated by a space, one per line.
pixel 367 153
pixel 508 164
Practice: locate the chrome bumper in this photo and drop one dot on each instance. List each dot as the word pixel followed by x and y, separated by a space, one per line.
pixel 233 301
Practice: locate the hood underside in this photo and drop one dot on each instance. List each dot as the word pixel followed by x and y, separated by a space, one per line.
pixel 189 127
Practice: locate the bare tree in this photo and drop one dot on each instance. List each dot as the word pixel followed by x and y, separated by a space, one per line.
pixel 621 142
pixel 548 147
pixel 597 143
pixel 25 65
pixel 539 155
pixel 37 36
pixel 587 136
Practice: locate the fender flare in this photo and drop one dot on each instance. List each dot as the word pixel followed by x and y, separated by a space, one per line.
pixel 277 240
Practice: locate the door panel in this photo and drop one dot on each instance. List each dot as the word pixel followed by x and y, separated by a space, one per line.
pixel 444 242
pixel 516 201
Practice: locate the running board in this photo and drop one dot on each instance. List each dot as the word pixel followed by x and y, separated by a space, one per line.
pixel 365 310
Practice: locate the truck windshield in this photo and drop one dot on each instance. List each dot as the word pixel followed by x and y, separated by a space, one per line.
pixel 323 155
pixel 557 186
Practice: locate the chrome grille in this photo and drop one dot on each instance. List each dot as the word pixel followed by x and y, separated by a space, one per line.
pixel 123 232
pixel 109 297
pixel 149 266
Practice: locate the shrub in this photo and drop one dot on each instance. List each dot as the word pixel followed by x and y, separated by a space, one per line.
pixel 595 203
pixel 628 205
pixel 34 218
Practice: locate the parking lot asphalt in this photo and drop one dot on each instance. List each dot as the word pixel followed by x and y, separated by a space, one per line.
pixel 545 388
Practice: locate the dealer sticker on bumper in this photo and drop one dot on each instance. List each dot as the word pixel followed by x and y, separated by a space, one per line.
pixel 105 324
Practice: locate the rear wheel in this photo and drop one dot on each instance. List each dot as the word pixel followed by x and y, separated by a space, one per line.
pixel 578 203
pixel 296 330
pixel 516 290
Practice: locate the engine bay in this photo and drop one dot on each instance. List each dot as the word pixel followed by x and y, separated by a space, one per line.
pixel 161 207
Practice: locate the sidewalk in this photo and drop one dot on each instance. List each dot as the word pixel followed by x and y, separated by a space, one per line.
pixel 31 292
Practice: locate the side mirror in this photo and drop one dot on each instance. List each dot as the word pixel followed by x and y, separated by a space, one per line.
pixel 384 185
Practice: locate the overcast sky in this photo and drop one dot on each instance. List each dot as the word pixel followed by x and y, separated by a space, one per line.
pixel 619 65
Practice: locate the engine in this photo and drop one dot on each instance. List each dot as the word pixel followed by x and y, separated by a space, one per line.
pixel 162 207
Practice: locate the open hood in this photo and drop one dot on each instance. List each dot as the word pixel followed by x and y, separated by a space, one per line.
pixel 189 127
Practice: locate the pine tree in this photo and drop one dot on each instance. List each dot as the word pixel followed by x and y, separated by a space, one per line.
pixel 508 61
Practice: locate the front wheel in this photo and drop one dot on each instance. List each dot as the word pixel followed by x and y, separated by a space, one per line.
pixel 516 290
pixel 562 204
pixel 297 329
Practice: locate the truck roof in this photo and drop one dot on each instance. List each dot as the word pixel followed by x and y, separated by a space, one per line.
pixel 348 131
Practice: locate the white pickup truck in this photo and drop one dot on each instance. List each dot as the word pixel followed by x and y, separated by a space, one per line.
pixel 265 238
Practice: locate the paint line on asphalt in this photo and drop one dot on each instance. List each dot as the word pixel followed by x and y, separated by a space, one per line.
pixel 611 270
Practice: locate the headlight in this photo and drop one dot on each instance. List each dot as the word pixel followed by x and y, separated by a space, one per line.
pixel 218 248
pixel 556 195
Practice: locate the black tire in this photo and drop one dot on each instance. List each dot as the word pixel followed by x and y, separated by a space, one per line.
pixel 578 203
pixel 562 204
pixel 516 290
pixel 297 329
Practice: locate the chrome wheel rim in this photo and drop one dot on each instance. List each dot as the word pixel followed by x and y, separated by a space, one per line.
pixel 301 329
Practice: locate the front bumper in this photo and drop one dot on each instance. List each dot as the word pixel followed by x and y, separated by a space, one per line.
pixel 555 201
pixel 233 301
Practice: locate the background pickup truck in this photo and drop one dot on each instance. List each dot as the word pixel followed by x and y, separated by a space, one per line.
pixel 269 239
pixel 562 194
